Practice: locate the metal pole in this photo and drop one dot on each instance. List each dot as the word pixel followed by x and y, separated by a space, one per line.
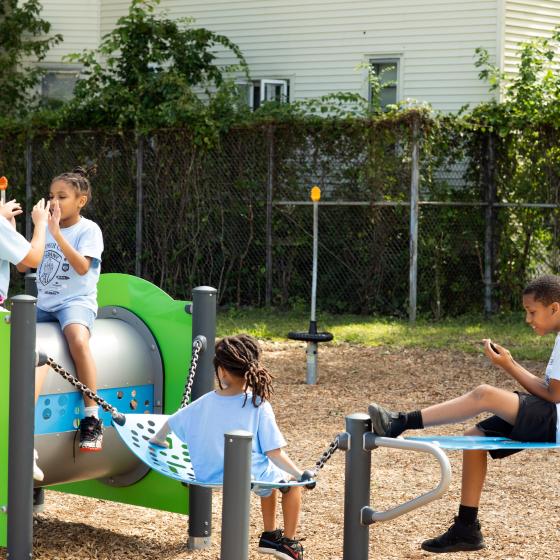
pixel 414 185
pixel 139 204
pixel 269 198
pixel 21 426
pixel 356 488
pixel 31 284
pixel 204 323
pixel 28 187
pixel 490 191
pixel 237 492
pixel 315 253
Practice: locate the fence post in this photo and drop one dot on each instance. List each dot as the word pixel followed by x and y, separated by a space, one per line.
pixel 269 186
pixel 139 203
pixel 489 181
pixel 28 186
pixel 200 498
pixel 414 186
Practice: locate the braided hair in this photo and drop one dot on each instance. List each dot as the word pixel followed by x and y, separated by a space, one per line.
pixel 79 180
pixel 240 355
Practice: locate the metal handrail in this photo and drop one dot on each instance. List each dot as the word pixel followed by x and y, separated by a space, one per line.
pixel 371 441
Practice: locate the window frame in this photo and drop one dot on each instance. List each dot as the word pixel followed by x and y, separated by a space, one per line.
pixel 387 58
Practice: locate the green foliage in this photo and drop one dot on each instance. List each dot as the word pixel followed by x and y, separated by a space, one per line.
pixel 23 34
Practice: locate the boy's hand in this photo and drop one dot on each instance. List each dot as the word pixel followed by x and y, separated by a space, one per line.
pixel 54 219
pixel 40 213
pixel 10 210
pixel 159 442
pixel 498 355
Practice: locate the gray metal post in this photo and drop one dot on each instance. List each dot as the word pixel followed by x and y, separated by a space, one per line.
pixel 269 194
pixel 21 425
pixel 204 323
pixel 237 492
pixel 28 187
pixel 139 204
pixel 490 192
pixel 31 284
pixel 356 488
pixel 313 347
pixel 414 186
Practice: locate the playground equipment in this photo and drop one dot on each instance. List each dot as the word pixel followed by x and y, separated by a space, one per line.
pixel 312 336
pixel 140 339
pixel 3 187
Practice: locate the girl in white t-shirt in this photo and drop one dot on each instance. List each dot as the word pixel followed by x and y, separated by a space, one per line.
pixel 531 416
pixel 67 286
pixel 241 403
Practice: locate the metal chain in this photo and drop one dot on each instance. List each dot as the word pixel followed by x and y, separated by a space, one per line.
pixel 85 390
pixel 197 348
pixel 327 454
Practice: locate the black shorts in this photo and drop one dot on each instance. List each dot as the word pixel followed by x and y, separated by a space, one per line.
pixel 536 421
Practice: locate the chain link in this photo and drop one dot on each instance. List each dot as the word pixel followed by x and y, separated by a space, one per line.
pixel 198 346
pixel 327 454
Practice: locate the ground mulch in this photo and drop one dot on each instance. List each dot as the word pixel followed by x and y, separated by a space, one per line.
pixel 520 512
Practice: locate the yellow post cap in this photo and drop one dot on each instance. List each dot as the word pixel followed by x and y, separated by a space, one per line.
pixel 315 194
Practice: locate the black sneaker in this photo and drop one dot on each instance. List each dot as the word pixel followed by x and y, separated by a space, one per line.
pixel 386 423
pixel 91 434
pixel 269 542
pixel 459 536
pixel 290 549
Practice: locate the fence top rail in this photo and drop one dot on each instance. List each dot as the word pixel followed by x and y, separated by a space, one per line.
pixel 420 202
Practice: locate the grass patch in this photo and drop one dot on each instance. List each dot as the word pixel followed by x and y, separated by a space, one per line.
pixel 462 334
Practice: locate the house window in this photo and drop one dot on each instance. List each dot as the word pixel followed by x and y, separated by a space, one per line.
pixel 387 70
pixel 259 91
pixel 59 84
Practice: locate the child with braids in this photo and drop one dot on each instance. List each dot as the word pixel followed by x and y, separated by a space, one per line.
pixel 241 403
pixel 67 286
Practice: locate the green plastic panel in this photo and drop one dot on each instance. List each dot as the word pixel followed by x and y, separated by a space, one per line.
pixel 4 414
pixel 171 326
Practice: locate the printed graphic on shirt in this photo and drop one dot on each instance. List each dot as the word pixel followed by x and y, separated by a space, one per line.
pixel 49 267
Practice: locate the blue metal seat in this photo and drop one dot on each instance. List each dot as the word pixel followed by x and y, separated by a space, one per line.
pixel 481 442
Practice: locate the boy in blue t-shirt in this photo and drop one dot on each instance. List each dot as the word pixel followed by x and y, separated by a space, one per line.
pixel 241 403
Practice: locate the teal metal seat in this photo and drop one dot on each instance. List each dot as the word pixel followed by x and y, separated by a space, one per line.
pixel 482 443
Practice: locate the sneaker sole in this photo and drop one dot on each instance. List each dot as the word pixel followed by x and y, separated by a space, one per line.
pixel 455 548
pixel 265 550
pixel 283 556
pixel 377 426
pixel 90 450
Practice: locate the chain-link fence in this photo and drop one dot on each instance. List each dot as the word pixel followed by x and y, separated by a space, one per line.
pixel 238 216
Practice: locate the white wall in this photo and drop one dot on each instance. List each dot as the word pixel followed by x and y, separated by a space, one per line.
pixel 525 20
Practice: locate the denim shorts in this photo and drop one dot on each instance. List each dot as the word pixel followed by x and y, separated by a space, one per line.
pixel 72 315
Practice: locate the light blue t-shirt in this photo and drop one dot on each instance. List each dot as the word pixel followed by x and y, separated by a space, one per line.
pixel 202 426
pixel 58 284
pixel 13 249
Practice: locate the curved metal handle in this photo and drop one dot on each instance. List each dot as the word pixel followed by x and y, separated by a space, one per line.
pixel 368 515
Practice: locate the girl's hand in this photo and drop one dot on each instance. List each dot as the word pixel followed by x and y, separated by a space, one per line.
pixel 159 442
pixel 498 355
pixel 10 210
pixel 54 219
pixel 40 213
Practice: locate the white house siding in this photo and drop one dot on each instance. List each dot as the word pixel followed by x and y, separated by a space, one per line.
pixel 77 21
pixel 318 44
pixel 524 20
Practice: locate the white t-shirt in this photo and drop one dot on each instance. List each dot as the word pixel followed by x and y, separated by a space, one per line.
pixel 13 249
pixel 58 284
pixel 553 372
pixel 202 426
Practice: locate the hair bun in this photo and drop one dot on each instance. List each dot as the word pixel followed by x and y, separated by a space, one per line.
pixel 89 172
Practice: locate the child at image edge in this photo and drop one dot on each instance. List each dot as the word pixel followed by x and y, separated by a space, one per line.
pixel 241 403
pixel 532 416
pixel 15 249
pixel 67 286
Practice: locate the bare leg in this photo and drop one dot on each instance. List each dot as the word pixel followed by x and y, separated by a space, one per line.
pixel 78 343
pixel 40 375
pixel 268 508
pixel 474 473
pixel 291 508
pixel 484 398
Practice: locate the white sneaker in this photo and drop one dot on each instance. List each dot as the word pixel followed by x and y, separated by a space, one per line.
pixel 38 474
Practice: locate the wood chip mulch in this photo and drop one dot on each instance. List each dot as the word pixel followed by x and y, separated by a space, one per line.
pixel 520 510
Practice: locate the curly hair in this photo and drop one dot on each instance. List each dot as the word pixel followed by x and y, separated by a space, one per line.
pixel 79 180
pixel 240 355
pixel 545 289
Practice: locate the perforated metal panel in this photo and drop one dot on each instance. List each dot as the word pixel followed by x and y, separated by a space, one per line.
pixel 174 462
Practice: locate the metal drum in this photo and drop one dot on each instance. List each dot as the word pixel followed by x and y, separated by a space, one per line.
pixel 129 376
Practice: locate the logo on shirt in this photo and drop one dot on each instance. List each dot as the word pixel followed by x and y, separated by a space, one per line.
pixel 65 267
pixel 49 266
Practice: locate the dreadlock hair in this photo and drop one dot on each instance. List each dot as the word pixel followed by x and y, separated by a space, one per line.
pixel 79 180
pixel 545 289
pixel 240 356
